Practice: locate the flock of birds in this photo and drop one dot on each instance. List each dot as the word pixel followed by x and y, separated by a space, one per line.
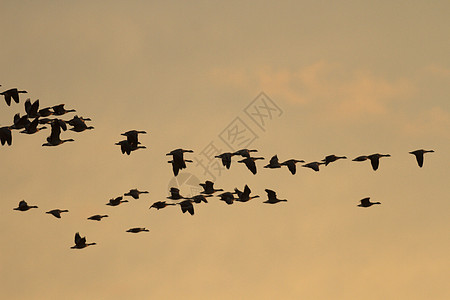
pixel 178 162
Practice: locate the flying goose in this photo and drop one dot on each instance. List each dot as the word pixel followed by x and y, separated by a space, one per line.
pixel 245 195
pixel 32 109
pixel 116 201
pixel 12 93
pixel 332 158
pixel 273 163
pixel 132 136
pixel 127 148
pixel 375 159
pixel 226 159
pixel 291 164
pixel 137 230
pixel 32 127
pixel 23 206
pixel 273 197
pixel 59 110
pixel 366 202
pixel 97 217
pixel 56 212
pixel 419 155
pixel 313 165
pixel 186 206
pixel 250 163
pixel 5 135
pixel 208 188
pixel 135 193
pixel 80 242
pixel 228 197
pixel 175 194
pixel 161 204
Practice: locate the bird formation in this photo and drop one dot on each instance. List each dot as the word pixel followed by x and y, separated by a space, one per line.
pixel 30 122
pixel 33 117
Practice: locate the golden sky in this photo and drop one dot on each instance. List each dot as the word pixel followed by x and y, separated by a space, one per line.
pixel 347 78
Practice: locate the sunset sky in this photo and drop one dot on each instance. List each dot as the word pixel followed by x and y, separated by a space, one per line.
pixel 300 79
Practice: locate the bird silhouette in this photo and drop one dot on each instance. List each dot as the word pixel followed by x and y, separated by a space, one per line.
pixel 199 198
pixel 419 155
pixel 375 159
pixel 116 201
pixel 226 159
pixel 250 163
pixel 97 217
pixel 273 163
pixel 54 138
pixel 127 148
pixel 20 122
pixel 177 166
pixel 291 164
pixel 313 165
pixel 273 197
pixel 135 193
pixel 228 197
pixel 137 230
pixel 32 127
pixel 175 194
pixel 5 135
pixel 32 109
pixel 12 93
pixel 56 212
pixel 178 162
pixel 132 136
pixel 186 206
pixel 245 195
pixel 161 204
pixel 244 152
pixel 366 202
pixel 78 124
pixel 59 110
pixel 23 206
pixel 80 242
pixel 208 188
pixel 332 158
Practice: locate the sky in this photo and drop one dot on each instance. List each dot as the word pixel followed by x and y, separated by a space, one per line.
pixel 300 79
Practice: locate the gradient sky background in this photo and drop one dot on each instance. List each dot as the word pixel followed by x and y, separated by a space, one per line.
pixel 351 78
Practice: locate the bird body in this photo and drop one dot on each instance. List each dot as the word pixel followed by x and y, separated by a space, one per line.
pixel 228 197
pixel 59 110
pixel 273 197
pixel 12 93
pixel 186 206
pixel 6 135
pixel 314 165
pixel 127 148
pixel 375 159
pixel 245 195
pixel 56 212
pixel 366 202
pixel 273 163
pixel 116 201
pixel 250 163
pixel 208 188
pixel 23 206
pixel 137 230
pixel 97 217
pixel 80 242
pixel 419 155
pixel 291 164
pixel 226 159
pixel 161 204
pixel 332 158
pixel 135 193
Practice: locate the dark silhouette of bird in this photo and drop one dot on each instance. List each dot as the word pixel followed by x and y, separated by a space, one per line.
pixel 273 163
pixel 137 230
pixel 178 162
pixel 59 110
pixel 127 148
pixel 226 159
pixel 54 138
pixel 272 197
pixel 97 217
pixel 244 152
pixel 161 204
pixel 23 206
pixel 78 124
pixel 116 201
pixel 186 206
pixel 32 109
pixel 132 136
pixel 250 163
pixel 32 127
pixel 76 119
pixel 80 242
pixel 375 159
pixel 12 93
pixel 199 198
pixel 45 112
pixel 366 202
pixel 56 212
pixel 175 194
pixel 135 193
pixel 228 197
pixel 208 188
pixel 419 155
pixel 20 122
pixel 332 158
pixel 291 164
pixel 5 135
pixel 176 166
pixel 245 195
pixel 313 165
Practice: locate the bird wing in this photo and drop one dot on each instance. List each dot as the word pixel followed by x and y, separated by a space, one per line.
pixel 271 194
pixel 375 162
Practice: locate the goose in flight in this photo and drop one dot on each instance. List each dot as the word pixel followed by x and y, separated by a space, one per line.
pixel 12 93
pixel 137 230
pixel 226 159
pixel 199 198
pixel 132 136
pixel 375 159
pixel 56 212
pixel 228 197
pixel 245 195
pixel 20 122
pixel 135 193
pixel 419 155
pixel 32 127
pixel 273 163
pixel 332 158
pixel 45 112
pixel 273 197
pixel 116 201
pixel 32 109
pixel 244 152
pixel 80 242
pixel 78 124
pixel 5 135
pixel 313 165
pixel 54 138
pixel 175 194
pixel 186 206
pixel 160 204
pixel 23 206
pixel 291 164
pixel 250 163
pixel 208 188
pixel 177 166
pixel 97 217
pixel 59 110
pixel 127 148
pixel 366 202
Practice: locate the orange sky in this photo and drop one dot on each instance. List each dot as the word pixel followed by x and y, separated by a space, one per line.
pixel 347 79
